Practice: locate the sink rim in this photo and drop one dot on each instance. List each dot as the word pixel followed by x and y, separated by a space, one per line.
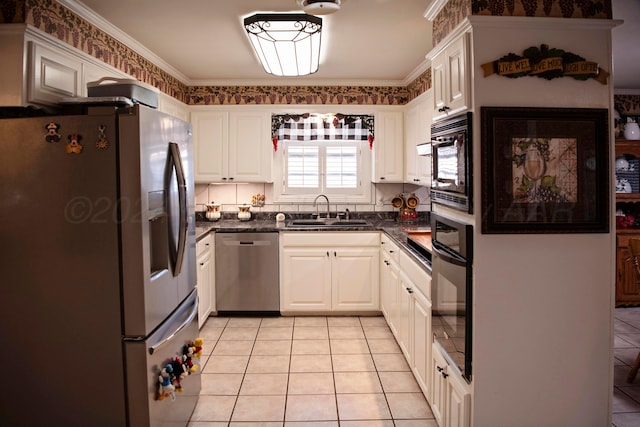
pixel 328 223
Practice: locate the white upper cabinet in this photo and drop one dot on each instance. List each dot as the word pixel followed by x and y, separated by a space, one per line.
pixel 210 136
pixel 417 130
pixel 449 71
pixel 250 148
pixel 388 155
pixel 232 146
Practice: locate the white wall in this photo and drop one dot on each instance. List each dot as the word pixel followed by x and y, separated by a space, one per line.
pixel 543 303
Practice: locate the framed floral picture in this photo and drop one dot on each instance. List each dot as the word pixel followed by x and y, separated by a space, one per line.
pixel 545 170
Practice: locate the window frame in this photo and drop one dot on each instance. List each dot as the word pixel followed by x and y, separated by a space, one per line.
pixel 362 194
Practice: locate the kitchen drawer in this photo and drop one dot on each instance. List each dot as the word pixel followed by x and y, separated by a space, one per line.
pixel 317 239
pixel 418 275
pixel 204 244
pixel 390 247
pixel 623 239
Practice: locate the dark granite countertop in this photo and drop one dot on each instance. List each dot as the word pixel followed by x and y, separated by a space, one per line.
pixel 377 222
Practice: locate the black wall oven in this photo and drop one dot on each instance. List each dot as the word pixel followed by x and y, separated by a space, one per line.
pixel 452 291
pixel 451 184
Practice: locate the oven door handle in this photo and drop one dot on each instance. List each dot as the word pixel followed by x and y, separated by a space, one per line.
pixel 437 248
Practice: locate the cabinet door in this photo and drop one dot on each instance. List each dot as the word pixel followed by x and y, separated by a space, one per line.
pixel 204 272
pixel 438 74
pixel 456 88
pixel 250 147
pixel 305 279
pixel 458 403
pixel 204 277
pixel 424 135
pixel 404 316
pixel 422 341
pixel 388 147
pixel 355 278
pixel 210 136
pixel 411 138
pixel 438 385
pixel 627 281
pixel 53 75
pixel 388 286
pixel 451 93
pixel 417 169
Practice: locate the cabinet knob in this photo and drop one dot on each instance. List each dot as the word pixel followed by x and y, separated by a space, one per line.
pixel 334 253
pixel 201 264
pixel 224 178
pixel 410 290
pixel 381 178
pixel 439 368
pixel 230 178
pixel 445 375
pixel 327 253
pixel 390 251
pixel 416 180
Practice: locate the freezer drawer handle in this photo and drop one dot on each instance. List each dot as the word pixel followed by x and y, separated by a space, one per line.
pixel 184 324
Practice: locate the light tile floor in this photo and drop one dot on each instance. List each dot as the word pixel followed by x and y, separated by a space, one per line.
pixel 626 397
pixel 311 371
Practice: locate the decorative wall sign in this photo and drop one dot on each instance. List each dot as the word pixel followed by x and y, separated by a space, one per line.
pixel 546 63
pixel 545 170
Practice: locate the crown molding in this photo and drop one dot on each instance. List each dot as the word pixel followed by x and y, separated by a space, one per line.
pixel 434 8
pixel 93 18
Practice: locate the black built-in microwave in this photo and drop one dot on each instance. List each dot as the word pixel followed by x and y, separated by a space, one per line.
pixel 452 178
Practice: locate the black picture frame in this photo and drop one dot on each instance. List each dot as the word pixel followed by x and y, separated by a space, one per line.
pixel 545 170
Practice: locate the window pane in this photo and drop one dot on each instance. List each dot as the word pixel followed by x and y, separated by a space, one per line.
pixel 302 167
pixel 341 167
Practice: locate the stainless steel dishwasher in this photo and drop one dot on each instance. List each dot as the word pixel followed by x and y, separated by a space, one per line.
pixel 247 273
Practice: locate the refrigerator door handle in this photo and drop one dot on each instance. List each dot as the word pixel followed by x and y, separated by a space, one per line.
pixel 167 338
pixel 175 163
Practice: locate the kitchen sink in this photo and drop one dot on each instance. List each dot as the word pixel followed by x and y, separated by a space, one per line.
pixel 333 222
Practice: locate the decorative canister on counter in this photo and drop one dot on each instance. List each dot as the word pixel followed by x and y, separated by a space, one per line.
pixel 244 212
pixel 631 130
pixel 213 212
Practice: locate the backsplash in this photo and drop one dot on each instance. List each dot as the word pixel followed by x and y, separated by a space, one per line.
pixel 230 196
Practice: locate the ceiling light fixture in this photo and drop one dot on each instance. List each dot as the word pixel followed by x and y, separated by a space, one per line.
pixel 287 44
pixel 319 7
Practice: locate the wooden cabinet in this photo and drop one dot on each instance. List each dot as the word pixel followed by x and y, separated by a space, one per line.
pixel 388 146
pixel 449 63
pixel 232 146
pixel 417 130
pixel 329 272
pixel 205 277
pixel 451 398
pixel 627 281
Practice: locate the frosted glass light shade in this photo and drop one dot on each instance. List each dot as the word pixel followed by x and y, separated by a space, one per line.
pixel 286 44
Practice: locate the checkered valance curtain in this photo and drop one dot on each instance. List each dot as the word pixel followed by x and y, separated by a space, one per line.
pixel 323 127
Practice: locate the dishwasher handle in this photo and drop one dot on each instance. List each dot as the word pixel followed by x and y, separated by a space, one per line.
pixel 247 243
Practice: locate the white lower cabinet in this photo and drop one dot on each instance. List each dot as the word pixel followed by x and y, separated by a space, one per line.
pixel 421 338
pixel 205 277
pixel 329 272
pixel 451 398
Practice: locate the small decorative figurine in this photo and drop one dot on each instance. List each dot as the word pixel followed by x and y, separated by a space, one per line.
pixel 52 132
pixel 74 147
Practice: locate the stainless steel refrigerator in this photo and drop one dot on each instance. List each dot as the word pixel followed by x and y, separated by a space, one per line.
pixel 97 229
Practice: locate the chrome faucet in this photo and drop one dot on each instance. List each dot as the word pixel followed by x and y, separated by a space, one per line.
pixel 315 203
